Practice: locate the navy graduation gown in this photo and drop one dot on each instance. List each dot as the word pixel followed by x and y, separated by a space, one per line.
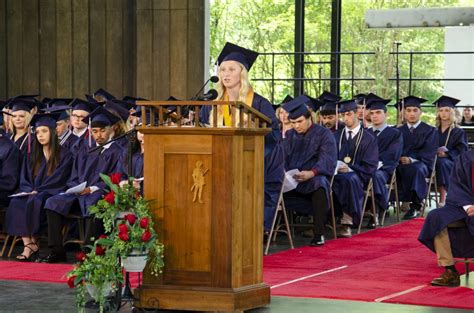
pixel 273 179
pixel 460 194
pixel 348 188
pixel 87 167
pixel 390 143
pixel 456 145
pixel 10 165
pixel 68 140
pixel 421 145
pixel 24 214
pixel 21 143
pixel 262 105
pixel 314 150
pixel 82 143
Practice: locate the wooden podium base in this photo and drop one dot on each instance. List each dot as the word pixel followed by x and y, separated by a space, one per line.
pixel 171 297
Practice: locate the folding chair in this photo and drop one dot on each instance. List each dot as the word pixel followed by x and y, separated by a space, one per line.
pixel 280 211
pixel 393 187
pixel 431 181
pixel 80 223
pixel 369 192
pixel 466 262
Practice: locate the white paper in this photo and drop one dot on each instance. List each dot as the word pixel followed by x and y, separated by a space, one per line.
pixel 339 165
pixel 380 165
pixel 22 194
pixel 290 182
pixel 77 189
pixel 138 179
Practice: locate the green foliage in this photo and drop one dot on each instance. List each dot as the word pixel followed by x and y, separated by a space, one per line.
pixel 268 26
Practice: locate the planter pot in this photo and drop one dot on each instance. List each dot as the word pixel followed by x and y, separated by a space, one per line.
pixel 135 262
pixel 94 292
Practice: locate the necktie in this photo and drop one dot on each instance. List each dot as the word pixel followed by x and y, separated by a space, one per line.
pixel 377 132
pixel 349 138
pixel 412 129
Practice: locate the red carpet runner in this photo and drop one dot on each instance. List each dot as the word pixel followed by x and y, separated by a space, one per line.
pixel 385 265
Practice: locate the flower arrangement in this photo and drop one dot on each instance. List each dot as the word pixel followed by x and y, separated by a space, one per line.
pixel 127 219
pixel 99 268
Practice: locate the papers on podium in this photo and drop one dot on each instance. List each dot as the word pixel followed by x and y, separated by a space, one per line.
pixel 76 189
pixel 290 182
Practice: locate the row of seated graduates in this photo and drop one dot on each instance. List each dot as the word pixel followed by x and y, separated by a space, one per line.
pixel 412 150
pixel 45 148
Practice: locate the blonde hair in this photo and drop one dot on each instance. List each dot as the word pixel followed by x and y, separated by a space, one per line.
pixel 28 117
pixel 452 118
pixel 245 86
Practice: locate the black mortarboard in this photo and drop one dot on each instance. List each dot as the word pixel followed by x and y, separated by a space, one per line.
pixel 45 119
pixel 232 52
pixel 378 104
pixel 132 100
pixel 20 104
pixel 285 100
pixel 327 96
pixel 62 110
pixel 410 101
pixel 360 98
pixel 118 108
pixel 79 104
pixel 445 101
pixel 58 102
pixel 329 108
pixel 347 105
pixel 314 103
pixel 296 107
pixel 102 116
pixel 103 93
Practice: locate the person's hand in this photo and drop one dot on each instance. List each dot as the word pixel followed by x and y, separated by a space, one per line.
pixel 304 176
pixel 136 184
pixel 470 210
pixel 405 160
pixel 85 191
pixel 343 168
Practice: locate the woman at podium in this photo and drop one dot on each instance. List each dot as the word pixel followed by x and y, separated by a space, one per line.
pixel 234 63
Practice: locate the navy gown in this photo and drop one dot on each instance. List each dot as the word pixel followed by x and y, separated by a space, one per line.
pixel 460 194
pixel 87 167
pixel 10 165
pixel 314 150
pixel 273 178
pixel 456 145
pixel 21 143
pixel 68 140
pixel 24 214
pixel 421 145
pixel 137 166
pixel 390 143
pixel 348 188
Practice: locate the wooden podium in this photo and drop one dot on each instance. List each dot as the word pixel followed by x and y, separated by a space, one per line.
pixel 207 187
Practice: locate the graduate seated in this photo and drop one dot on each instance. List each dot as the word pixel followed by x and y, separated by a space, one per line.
pixel 63 127
pixel 420 143
pixel 44 173
pixel 310 149
pixel 328 111
pixel 85 174
pixel 389 142
pixel 449 230
pixel 21 110
pixel 282 115
pixel 467 117
pixel 452 143
pixel 357 161
pixel 80 110
pixel 360 99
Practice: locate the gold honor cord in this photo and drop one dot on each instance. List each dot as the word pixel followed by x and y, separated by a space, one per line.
pixel 347 159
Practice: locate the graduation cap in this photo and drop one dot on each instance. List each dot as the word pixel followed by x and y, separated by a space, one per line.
pixel 20 104
pixel 101 117
pixel 103 93
pixel 79 104
pixel 296 107
pixel 445 101
pixel 62 110
pixel 327 96
pixel 347 105
pixel 313 103
pixel 232 52
pixel 285 100
pixel 133 100
pixel 361 98
pixel 58 102
pixel 329 108
pixel 378 104
pixel 410 101
pixel 45 119
pixel 119 107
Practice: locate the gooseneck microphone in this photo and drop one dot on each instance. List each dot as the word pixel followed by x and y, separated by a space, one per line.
pixel 213 79
pixel 208 96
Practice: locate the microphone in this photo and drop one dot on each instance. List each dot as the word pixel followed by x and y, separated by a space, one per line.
pixel 213 79
pixel 208 96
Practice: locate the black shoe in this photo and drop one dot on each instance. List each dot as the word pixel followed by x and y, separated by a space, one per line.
pixel 318 240
pixel 54 258
pixel 411 214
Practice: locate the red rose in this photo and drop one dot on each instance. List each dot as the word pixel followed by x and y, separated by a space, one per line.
pixel 144 222
pixel 99 250
pixel 80 256
pixel 146 235
pixel 115 178
pixel 110 197
pixel 123 228
pixel 102 236
pixel 130 218
pixel 137 195
pixel 124 236
pixel 70 281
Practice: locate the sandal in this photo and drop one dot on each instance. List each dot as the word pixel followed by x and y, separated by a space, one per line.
pixel 32 257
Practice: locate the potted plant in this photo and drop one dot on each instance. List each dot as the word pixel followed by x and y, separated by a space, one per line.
pixel 98 272
pixel 126 217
